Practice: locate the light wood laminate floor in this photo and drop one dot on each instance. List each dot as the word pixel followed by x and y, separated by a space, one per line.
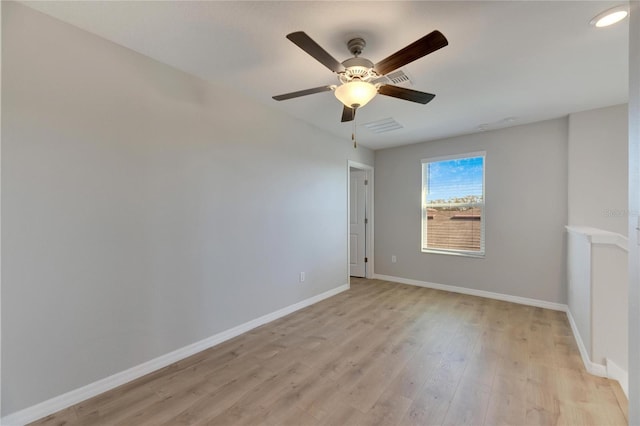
pixel 379 354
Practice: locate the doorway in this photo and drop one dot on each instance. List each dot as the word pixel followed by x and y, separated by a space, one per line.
pixel 360 219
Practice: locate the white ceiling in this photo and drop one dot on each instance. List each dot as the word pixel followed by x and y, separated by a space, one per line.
pixel 532 60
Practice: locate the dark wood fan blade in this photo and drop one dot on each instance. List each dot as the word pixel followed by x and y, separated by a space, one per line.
pixel 380 80
pixel 348 114
pixel 406 94
pixel 416 50
pixel 302 93
pixel 306 43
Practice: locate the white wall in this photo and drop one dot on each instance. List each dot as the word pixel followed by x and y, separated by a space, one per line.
pixel 579 289
pixel 598 164
pixel 598 198
pixel 144 209
pixel 610 295
pixel 597 294
pixel 526 210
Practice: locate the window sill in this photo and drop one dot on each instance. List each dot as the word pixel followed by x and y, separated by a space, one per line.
pixel 455 253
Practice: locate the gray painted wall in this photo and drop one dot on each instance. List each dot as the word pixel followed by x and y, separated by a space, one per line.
pixel 144 209
pixel 526 210
pixel 598 164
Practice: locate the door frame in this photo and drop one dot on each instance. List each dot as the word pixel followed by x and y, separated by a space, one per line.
pixel 369 228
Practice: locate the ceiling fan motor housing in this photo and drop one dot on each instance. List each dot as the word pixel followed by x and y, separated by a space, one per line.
pixel 357 69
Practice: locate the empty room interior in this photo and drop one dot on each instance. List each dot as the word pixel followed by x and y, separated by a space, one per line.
pixel 320 213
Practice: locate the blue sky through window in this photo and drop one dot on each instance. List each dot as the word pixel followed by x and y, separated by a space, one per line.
pixel 454 178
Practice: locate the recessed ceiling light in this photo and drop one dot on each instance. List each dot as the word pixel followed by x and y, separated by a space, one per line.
pixel 609 16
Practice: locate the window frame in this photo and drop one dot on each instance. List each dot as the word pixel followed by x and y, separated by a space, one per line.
pixel 423 207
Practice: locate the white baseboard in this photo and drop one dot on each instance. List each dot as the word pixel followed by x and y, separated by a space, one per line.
pixel 75 396
pixel 615 372
pixel 592 367
pixel 474 292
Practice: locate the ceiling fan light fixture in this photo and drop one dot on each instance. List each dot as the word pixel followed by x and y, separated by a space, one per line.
pixel 610 16
pixel 356 94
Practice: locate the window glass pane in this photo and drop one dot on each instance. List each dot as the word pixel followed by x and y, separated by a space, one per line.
pixel 453 205
pixel 454 180
pixel 454 228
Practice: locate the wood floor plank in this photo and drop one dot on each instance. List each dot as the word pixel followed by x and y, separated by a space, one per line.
pixel 214 403
pixel 388 410
pixel 505 409
pixel 319 397
pixel 432 403
pixel 343 414
pixel 414 374
pixel 380 353
pixel 254 406
pixel 121 406
pixel 294 417
pixel 623 403
pixel 377 375
pixel 468 407
pixel 65 417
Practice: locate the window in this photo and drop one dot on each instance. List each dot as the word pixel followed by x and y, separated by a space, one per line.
pixel 453 204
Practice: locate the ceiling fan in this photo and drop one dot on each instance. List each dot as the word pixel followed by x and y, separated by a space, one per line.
pixel 360 79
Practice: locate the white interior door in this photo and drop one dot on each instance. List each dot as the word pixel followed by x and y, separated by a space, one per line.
pixel 357 223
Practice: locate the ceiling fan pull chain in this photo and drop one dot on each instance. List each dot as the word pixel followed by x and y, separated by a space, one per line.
pixel 353 135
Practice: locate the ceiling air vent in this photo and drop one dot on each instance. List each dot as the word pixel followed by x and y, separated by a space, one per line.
pixel 399 77
pixel 383 126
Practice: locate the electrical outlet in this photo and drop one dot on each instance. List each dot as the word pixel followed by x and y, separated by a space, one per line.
pixel 302 277
pixel 394 259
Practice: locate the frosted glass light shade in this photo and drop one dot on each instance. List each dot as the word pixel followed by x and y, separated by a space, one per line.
pixel 610 16
pixel 355 94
